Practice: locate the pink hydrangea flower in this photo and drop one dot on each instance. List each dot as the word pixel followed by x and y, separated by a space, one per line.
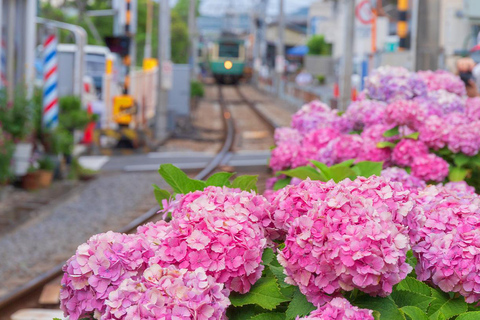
pixel 288 135
pixel 345 147
pixel 365 113
pixel 465 138
pixel 99 267
pixel 434 132
pixel 370 152
pixel 443 80
pixel 287 155
pixel 473 108
pixel 406 150
pixel 168 293
pixel 408 181
pixel 430 167
pixel 221 230
pixel 375 132
pixel 313 116
pixel 449 246
pixel 355 238
pixel 405 112
pixel 460 188
pixel 339 309
pixel 315 141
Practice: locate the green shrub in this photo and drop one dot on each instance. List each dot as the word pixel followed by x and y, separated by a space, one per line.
pixel 317 46
pixel 196 89
pixel 16 115
pixel 46 163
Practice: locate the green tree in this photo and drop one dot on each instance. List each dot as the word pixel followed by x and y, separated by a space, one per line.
pixel 182 7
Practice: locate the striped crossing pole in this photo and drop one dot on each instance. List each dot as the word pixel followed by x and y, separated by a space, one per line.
pixel 3 64
pixel 402 24
pixel 126 60
pixel 50 79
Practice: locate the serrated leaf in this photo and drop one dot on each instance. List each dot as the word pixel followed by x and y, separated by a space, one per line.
pixel 405 298
pixel 160 194
pixel 369 168
pixel 391 133
pixel 457 174
pixel 414 313
pixel 269 316
pixel 346 163
pixel 411 260
pixel 242 313
pixel 413 285
pixel 469 316
pixel 324 169
pixel 385 144
pixel 461 159
pixel 445 306
pixel 340 173
pixel 303 173
pixel 219 179
pixel 278 272
pixel 178 180
pixel 299 306
pixel 267 256
pixel 264 293
pixel 385 306
pixel 281 183
pixel 246 183
pixel 413 136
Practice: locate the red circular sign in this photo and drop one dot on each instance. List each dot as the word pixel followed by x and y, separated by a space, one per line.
pixel 363 12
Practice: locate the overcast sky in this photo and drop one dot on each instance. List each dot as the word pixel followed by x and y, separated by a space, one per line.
pixel 218 7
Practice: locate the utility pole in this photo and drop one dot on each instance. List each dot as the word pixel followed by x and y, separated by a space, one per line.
pixel 164 55
pixel 260 47
pixel 192 33
pixel 148 32
pixel 347 63
pixel 427 49
pixel 280 58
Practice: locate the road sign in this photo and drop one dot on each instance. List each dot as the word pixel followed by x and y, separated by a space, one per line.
pixel 363 12
pixel 167 75
pixel 123 109
pixel 120 45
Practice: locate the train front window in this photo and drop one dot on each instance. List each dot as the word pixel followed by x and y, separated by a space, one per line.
pixel 228 50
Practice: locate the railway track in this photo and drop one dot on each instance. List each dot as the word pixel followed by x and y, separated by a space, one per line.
pixel 27 295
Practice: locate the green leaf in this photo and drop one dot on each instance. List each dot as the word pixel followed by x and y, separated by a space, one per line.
pixel 457 174
pixel 413 285
pixel 469 316
pixel 385 306
pixel 413 136
pixel 385 144
pixel 369 168
pixel 242 313
pixel 405 298
pixel 391 133
pixel 160 194
pixel 219 179
pixel 265 293
pixel 278 272
pixel 268 256
pixel 323 168
pixel 411 260
pixel 178 180
pixel 304 173
pixel 445 306
pixel 282 183
pixel 246 183
pixel 288 291
pixel 461 159
pixel 341 173
pixel 414 313
pixel 269 316
pixel 346 163
pixel 299 306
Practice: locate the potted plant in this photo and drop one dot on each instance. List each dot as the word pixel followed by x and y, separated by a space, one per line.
pixel 319 60
pixel 46 166
pixel 30 181
pixel 6 152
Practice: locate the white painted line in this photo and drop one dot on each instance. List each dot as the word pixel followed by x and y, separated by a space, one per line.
pixel 93 162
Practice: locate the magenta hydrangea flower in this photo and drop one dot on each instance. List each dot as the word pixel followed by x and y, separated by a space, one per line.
pixel 315 141
pixel 345 147
pixel 221 230
pixel 430 167
pixel 434 132
pixel 365 113
pixel 294 201
pixel 443 80
pixel 449 247
pixel 408 181
pixel 460 188
pixel 339 309
pixel 168 293
pixel 389 84
pixel 287 155
pixel 465 138
pixel 313 116
pixel 288 135
pixel 406 150
pixel 405 112
pixel 473 108
pixel 99 267
pixel 355 238
pixel 370 152
pixel 375 133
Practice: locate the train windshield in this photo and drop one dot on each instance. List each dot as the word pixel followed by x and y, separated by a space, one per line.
pixel 228 50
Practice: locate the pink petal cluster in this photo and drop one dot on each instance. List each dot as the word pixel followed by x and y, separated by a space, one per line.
pixel 448 249
pixel 339 309
pixel 287 155
pixel 345 147
pixel 370 152
pixel 434 132
pixel 313 116
pixel 99 267
pixel 407 150
pixel 473 108
pixel 288 135
pixel 430 167
pixel 168 293
pixel 408 181
pixel 465 138
pixel 355 238
pixel 365 113
pixel 443 80
pixel 315 141
pixel 405 112
pixel 220 230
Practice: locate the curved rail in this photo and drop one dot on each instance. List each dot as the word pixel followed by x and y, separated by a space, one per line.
pixel 271 125
pixel 39 281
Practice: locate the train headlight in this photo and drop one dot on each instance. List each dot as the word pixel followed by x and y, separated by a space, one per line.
pixel 228 64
